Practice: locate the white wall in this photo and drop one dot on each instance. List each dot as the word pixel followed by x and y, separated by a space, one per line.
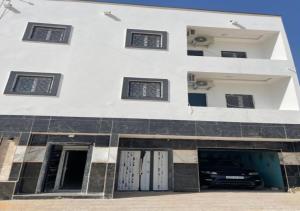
pixel 271 48
pixel 253 50
pixel 95 61
pixel 277 94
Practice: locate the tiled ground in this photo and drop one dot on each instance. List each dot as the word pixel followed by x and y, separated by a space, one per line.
pixel 219 201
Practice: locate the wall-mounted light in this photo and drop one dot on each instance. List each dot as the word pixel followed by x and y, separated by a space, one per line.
pixel 235 23
pixel 7 4
pixel 108 13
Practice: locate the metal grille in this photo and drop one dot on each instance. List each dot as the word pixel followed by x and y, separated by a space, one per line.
pixel 141 89
pixel 239 101
pixel 146 40
pixel 234 54
pixel 33 84
pixel 234 182
pixel 48 34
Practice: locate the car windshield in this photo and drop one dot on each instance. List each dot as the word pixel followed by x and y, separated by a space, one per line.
pixel 228 163
pixel 220 164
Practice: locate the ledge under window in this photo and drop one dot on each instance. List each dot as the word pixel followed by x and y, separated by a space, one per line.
pixel 32 83
pixel 145 89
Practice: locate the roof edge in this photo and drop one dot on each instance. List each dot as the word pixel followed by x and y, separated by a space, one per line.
pixel 172 7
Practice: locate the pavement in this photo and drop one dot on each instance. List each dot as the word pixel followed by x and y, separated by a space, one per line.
pixel 204 201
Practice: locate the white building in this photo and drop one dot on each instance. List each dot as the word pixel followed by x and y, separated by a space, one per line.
pixel 137 97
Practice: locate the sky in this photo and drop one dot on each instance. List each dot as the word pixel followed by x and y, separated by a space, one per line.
pixel 288 9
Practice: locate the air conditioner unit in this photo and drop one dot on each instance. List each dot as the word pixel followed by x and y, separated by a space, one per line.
pixel 196 39
pixel 202 84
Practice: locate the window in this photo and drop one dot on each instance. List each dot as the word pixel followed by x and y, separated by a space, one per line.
pixel 28 83
pixel 42 32
pixel 197 99
pixel 234 54
pixel 194 53
pixel 145 89
pixel 146 39
pixel 239 101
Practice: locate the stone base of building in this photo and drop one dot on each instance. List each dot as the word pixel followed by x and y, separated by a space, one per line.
pixel 55 157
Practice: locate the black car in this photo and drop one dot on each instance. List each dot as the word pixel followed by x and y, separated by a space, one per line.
pixel 229 174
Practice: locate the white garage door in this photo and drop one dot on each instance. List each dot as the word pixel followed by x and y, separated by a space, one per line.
pixel 135 171
pixel 129 171
pixel 160 170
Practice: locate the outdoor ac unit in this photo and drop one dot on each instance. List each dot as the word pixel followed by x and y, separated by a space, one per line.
pixel 196 39
pixel 201 84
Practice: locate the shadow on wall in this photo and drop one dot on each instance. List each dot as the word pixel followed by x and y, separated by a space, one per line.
pixel 283 95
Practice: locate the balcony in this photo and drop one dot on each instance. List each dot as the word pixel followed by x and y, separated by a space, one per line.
pixel 235 43
pixel 241 91
pixel 253 51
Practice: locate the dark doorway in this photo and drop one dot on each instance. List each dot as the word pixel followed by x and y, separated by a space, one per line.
pixel 73 169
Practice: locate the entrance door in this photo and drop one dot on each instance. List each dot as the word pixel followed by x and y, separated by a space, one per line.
pixel 73 170
pixel 160 170
pixel 143 170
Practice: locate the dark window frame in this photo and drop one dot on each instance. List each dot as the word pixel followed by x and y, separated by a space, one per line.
pixel 237 52
pixel 11 84
pixel 195 93
pixel 242 95
pixel 195 53
pixel 163 34
pixel 164 86
pixel 31 25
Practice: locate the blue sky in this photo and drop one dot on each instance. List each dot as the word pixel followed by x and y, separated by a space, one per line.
pixel 288 9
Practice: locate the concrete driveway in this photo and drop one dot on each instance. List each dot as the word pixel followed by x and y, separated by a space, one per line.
pixel 219 201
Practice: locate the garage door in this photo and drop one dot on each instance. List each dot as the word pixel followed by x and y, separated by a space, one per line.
pixel 230 168
pixel 129 171
pixel 136 173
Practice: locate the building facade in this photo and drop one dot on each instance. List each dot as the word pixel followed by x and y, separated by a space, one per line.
pixel 101 98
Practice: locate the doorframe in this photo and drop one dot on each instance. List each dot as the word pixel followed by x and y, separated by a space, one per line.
pixel 60 176
pixel 170 168
pixel 42 175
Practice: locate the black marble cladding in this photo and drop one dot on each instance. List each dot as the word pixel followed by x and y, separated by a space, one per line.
pixel 111 169
pixel 292 171
pixel 23 126
pixel 24 139
pixel 110 181
pixel 43 139
pixel 28 124
pixel 195 144
pixel 29 178
pixel 297 146
pixel 294 181
pixel 6 190
pixel 293 175
pixel 97 178
pixel 15 171
pixel 174 127
pixel 186 178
